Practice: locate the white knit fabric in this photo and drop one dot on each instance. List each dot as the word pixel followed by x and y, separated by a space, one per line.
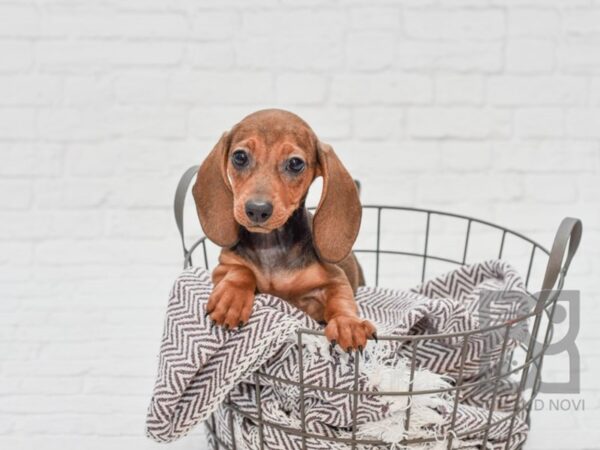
pixel 202 365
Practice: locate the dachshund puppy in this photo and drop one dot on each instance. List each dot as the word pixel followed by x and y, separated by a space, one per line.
pixel 250 193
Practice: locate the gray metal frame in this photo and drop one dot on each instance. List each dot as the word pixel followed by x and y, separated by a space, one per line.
pixel 559 258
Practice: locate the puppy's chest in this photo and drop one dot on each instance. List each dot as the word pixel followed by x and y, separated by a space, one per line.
pixel 294 278
pixel 281 269
pixel 277 265
pixel 291 272
pixel 289 248
pixel 278 259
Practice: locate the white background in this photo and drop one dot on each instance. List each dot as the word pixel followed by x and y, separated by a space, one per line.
pixel 483 107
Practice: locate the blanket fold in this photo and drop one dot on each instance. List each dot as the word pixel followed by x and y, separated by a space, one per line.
pixel 201 365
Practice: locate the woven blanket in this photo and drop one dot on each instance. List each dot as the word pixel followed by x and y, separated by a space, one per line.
pixel 203 368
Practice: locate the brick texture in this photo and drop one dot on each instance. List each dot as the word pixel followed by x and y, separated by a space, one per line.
pixel 484 107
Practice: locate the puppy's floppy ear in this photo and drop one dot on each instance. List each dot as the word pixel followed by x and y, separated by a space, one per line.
pixel 337 219
pixel 214 198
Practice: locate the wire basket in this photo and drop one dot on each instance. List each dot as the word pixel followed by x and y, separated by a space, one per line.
pixel 411 244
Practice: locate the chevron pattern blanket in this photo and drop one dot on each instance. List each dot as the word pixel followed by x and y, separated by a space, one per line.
pixel 203 367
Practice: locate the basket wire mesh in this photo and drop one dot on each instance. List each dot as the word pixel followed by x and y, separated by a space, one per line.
pixel 527 371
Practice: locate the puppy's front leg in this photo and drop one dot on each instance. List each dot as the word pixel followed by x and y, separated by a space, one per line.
pixel 230 303
pixel 344 327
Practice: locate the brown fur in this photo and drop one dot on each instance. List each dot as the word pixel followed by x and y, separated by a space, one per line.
pixel 306 261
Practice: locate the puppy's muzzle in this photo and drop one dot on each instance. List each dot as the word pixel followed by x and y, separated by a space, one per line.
pixel 258 211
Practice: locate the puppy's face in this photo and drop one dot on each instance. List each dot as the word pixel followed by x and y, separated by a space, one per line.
pixel 258 174
pixel 271 162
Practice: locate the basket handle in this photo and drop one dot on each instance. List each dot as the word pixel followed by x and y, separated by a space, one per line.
pixel 569 232
pixel 179 202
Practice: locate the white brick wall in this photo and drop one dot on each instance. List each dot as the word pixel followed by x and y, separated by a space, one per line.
pixel 485 107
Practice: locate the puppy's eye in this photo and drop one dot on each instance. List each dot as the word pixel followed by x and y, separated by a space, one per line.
pixel 294 165
pixel 240 159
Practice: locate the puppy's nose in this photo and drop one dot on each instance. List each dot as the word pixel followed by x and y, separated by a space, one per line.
pixel 258 211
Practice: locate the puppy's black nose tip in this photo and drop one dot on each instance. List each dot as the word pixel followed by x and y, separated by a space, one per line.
pixel 258 211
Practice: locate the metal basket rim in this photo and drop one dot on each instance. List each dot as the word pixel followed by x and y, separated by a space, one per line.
pixel 428 211
pixel 458 216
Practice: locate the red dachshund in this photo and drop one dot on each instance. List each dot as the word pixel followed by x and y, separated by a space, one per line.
pixel 250 193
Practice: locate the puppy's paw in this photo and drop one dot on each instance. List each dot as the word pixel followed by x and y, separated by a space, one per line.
pixel 350 332
pixel 230 305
